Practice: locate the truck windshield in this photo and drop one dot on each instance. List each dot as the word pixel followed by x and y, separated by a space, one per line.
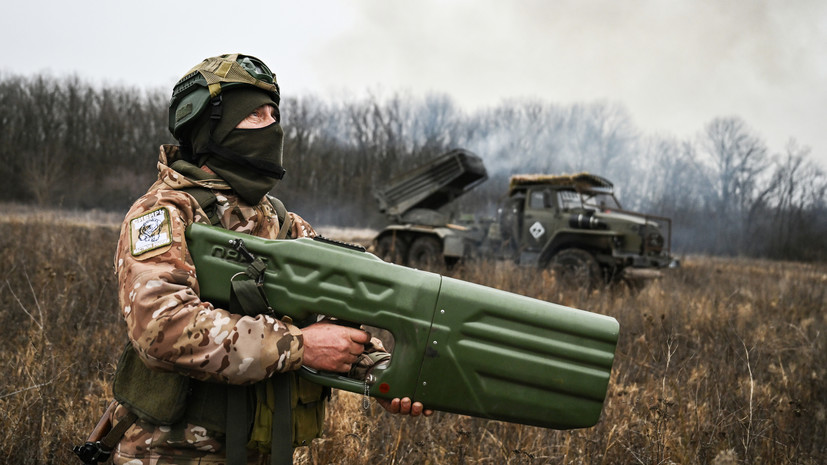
pixel 569 199
pixel 600 200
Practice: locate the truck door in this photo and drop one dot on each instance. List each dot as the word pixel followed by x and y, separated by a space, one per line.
pixel 538 223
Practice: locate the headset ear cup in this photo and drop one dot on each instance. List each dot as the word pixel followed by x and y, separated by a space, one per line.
pixel 187 110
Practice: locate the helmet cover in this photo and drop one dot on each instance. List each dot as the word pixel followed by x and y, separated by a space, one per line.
pixel 192 94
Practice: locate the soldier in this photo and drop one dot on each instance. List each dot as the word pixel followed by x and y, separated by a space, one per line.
pixel 188 361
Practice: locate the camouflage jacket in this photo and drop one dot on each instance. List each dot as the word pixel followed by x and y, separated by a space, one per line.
pixel 172 329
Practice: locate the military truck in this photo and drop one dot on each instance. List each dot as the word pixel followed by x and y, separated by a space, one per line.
pixel 571 224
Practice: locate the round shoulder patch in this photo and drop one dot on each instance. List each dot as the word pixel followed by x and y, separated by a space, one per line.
pixel 150 231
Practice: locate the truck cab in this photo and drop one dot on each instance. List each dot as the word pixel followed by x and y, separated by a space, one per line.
pixel 576 222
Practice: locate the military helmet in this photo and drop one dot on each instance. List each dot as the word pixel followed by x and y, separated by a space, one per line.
pixel 204 83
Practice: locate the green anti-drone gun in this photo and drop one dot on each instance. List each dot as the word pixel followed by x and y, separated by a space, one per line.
pixel 459 347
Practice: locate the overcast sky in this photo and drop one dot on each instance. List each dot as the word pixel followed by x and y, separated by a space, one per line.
pixel 675 65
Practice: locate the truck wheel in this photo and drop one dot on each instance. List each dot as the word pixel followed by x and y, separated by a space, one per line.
pixel 576 268
pixel 391 249
pixel 426 253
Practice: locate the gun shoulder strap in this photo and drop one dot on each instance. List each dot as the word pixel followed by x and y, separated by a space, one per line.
pixel 209 203
pixel 116 433
pixel 285 222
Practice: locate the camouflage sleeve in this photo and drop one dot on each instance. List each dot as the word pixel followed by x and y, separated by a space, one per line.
pixel 299 227
pixel 170 326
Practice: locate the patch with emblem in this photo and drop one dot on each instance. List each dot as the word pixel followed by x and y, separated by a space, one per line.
pixel 150 231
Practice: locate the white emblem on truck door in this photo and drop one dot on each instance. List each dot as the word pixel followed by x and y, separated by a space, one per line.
pixel 537 230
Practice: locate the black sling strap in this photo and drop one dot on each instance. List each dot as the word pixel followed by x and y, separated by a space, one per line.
pixel 238 425
pixel 247 298
pixel 281 435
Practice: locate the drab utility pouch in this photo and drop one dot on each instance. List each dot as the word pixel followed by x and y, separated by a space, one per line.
pixel 155 396
pixel 287 405
pixel 308 401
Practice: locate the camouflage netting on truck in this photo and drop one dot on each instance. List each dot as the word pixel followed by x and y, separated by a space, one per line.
pixel 578 181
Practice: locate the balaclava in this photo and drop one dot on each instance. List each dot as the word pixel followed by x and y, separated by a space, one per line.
pixel 248 159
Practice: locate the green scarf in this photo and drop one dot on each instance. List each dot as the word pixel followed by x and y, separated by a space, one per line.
pixel 248 159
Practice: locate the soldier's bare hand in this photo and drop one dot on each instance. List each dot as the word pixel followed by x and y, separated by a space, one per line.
pixel 332 347
pixel 404 406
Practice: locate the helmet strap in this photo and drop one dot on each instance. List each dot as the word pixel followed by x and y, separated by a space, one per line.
pixel 216 112
pixel 186 151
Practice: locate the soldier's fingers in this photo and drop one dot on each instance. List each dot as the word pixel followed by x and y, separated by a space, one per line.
pixel 355 349
pixel 393 407
pixel 416 409
pixel 360 337
pixel 405 406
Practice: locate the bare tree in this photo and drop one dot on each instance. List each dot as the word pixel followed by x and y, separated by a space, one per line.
pixel 520 136
pixel 734 159
pixel 43 173
pixel 785 212
pixel 64 140
pixel 737 159
pixel 602 138
pixel 670 181
pixel 434 125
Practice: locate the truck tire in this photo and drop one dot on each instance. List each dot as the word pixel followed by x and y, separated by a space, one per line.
pixel 392 249
pixel 426 253
pixel 576 268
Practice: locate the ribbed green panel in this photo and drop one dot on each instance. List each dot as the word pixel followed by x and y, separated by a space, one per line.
pixel 500 355
pixel 305 276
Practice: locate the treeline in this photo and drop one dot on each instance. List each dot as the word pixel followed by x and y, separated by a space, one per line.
pixel 67 143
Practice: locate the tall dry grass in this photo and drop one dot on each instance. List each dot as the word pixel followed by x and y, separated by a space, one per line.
pixel 721 362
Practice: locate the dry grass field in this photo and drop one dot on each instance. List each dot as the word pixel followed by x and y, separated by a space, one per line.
pixel 722 362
